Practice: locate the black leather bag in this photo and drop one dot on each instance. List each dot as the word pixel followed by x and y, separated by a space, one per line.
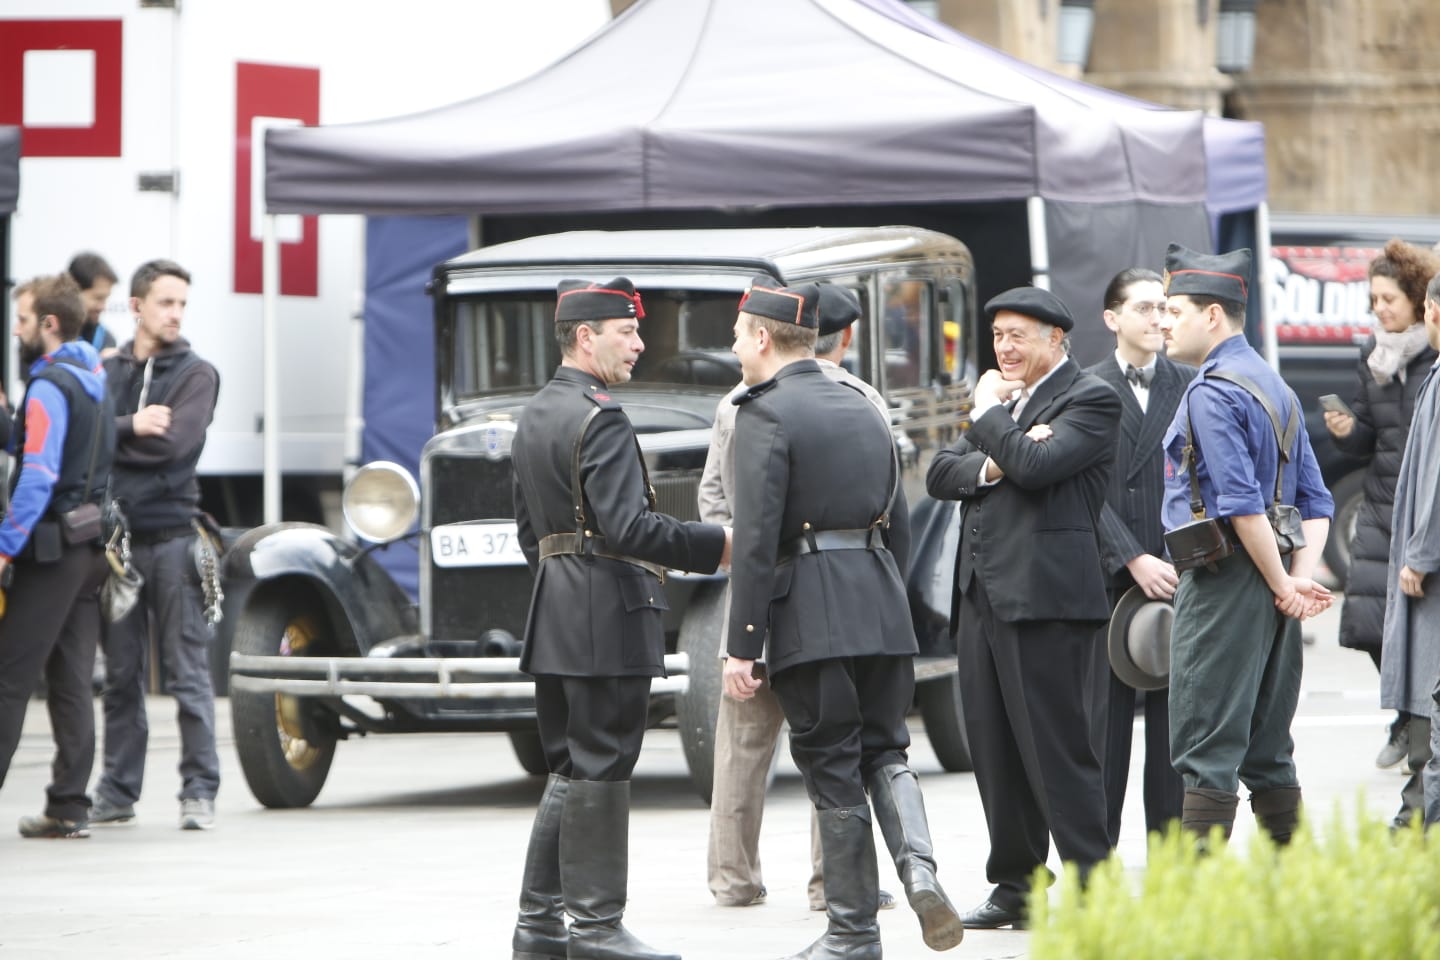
pixel 1198 543
pixel 1289 533
pixel 81 525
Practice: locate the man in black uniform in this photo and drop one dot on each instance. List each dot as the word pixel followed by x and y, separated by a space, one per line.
pixel 821 521
pixel 64 435
pixel 594 636
pixel 1032 472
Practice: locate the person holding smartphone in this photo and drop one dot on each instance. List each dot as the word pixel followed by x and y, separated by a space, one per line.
pixel 1393 363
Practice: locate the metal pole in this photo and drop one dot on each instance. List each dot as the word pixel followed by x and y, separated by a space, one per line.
pixel 270 368
pixel 1268 338
pixel 1039 243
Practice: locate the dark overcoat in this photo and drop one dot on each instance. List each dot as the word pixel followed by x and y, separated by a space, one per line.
pixel 811 450
pixel 593 616
pixel 1032 536
pixel 1132 522
pixel 1382 420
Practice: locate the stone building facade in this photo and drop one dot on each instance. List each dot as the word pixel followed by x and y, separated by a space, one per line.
pixel 1348 90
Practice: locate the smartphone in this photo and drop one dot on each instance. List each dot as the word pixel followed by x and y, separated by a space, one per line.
pixel 1334 404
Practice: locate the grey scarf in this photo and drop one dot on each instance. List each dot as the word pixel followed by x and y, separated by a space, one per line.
pixel 1394 351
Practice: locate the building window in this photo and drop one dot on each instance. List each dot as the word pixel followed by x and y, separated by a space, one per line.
pixel 1235 36
pixel 1077 25
pixel 931 8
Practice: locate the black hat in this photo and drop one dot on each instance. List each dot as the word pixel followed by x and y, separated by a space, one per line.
pixel 583 300
pixel 1032 302
pixel 1223 275
pixel 797 305
pixel 1138 641
pixel 839 307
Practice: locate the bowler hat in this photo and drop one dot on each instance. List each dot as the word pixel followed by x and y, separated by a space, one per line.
pixel 582 300
pixel 1138 641
pixel 1222 275
pixel 1033 302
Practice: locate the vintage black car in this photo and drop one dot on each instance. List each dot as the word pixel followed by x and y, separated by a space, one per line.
pixel 327 645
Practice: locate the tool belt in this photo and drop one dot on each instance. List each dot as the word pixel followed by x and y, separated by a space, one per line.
pixel 814 541
pixel 589 545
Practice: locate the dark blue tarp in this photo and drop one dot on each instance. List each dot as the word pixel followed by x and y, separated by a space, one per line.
pixel 399 406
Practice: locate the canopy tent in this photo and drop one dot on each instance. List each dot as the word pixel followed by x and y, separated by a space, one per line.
pixel 741 112
pixel 9 168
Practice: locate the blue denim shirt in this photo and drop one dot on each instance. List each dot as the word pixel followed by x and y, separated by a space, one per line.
pixel 1236 450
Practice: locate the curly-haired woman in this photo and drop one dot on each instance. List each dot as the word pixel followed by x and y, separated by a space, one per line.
pixel 1393 362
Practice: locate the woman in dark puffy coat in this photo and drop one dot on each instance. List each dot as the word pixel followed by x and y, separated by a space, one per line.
pixel 1393 362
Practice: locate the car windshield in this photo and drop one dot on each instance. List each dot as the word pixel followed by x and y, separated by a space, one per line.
pixel 507 342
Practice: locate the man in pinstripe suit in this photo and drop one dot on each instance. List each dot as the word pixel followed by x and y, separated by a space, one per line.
pixel 1132 545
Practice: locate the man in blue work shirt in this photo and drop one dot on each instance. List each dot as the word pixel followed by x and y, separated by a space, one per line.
pixel 1235 650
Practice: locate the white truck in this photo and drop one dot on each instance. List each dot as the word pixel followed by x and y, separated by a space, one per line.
pixel 139 118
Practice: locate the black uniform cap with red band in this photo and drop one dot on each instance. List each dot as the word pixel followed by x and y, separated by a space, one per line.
pixel 1222 275
pixel 591 302
pixel 798 305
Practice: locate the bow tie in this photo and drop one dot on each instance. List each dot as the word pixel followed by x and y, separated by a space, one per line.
pixel 1141 378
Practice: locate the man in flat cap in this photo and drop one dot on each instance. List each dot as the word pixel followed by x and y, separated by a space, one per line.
pixel 594 638
pixel 1235 653
pixel 821 543
pixel 1032 472
pixel 746 731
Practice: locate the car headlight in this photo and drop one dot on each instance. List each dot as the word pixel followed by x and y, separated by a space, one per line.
pixel 381 501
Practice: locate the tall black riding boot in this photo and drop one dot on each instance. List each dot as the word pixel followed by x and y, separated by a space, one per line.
pixel 540 932
pixel 595 872
pixel 852 887
pixel 1208 808
pixel 900 809
pixel 1278 812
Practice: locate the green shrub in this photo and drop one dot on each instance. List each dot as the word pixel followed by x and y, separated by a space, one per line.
pixel 1359 893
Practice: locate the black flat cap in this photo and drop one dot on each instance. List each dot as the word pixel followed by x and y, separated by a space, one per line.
pixel 583 300
pixel 839 307
pixel 797 305
pixel 1223 275
pixel 1032 302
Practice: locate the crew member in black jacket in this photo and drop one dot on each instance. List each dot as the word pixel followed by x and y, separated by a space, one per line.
pixel 164 397
pixel 821 540
pixel 594 637
pixel 1032 472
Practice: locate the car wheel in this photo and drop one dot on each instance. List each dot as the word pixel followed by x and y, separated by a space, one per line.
pixel 285 743
pixel 697 708
pixel 945 722
pixel 1349 493
pixel 528 750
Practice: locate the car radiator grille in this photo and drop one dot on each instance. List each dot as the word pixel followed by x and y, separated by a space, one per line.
pixel 467 601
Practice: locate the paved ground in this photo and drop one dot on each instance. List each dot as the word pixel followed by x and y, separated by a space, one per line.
pixel 414 849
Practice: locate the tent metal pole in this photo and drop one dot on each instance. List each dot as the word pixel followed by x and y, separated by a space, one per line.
pixel 1268 337
pixel 270 367
pixel 1039 243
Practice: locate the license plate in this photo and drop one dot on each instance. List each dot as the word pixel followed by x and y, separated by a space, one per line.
pixel 489 544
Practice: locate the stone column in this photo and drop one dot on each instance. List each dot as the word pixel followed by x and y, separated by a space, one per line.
pixel 1159 50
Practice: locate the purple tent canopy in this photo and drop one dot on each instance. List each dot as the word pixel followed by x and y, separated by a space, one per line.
pixel 741 103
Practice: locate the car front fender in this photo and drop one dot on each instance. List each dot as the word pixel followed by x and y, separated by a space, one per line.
pixel 353 585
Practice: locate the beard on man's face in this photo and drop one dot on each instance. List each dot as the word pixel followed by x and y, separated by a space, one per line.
pixel 29 353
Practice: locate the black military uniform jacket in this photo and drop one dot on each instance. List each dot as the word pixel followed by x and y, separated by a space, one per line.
pixel 1031 537
pixel 594 616
pixel 1132 522
pixel 811 450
